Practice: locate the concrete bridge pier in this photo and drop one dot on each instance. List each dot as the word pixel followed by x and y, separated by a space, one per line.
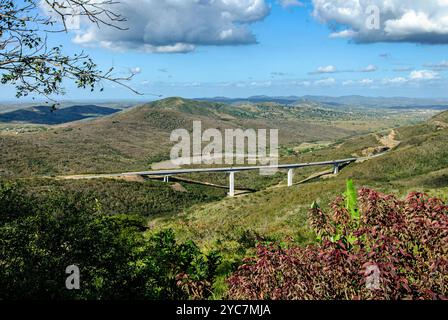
pixel 231 184
pixel 290 177
pixel 336 168
pixel 166 179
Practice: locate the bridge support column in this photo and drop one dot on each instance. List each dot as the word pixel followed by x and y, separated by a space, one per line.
pixel 231 184
pixel 290 177
pixel 336 169
pixel 166 179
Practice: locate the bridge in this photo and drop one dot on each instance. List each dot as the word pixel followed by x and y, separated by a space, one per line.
pixel 166 174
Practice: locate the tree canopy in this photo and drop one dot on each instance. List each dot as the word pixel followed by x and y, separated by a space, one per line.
pixel 32 65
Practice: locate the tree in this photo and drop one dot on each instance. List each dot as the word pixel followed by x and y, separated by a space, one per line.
pixel 29 63
pixel 41 235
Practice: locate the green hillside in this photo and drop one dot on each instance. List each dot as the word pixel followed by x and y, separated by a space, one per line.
pixel 135 138
pixel 419 163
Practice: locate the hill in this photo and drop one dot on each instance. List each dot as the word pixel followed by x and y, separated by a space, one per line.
pixel 48 116
pixel 418 163
pixel 353 100
pixel 135 138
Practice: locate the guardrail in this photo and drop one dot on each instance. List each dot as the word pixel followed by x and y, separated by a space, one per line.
pixel 230 170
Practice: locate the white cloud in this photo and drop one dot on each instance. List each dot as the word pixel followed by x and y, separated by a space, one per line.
pixel 414 77
pixel 136 70
pixel 417 21
pixel 264 84
pixel 343 34
pixel 325 82
pixel 290 3
pixel 173 26
pixel 326 69
pixel 365 82
pixel 370 68
pixel 397 80
pixel 423 75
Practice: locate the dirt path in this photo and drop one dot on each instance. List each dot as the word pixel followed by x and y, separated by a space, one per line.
pixel 389 140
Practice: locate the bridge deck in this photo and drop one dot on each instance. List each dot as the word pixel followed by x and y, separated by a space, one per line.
pixel 205 170
pixel 237 169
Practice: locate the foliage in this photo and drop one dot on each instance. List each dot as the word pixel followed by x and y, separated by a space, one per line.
pixel 406 241
pixel 40 237
pixel 351 200
pixel 30 63
pixel 144 198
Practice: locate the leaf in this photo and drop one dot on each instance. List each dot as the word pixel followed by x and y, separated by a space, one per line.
pixel 351 200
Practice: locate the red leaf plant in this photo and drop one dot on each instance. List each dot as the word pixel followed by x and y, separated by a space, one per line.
pixel 396 249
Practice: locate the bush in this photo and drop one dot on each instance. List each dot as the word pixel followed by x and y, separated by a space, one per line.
pixel 385 249
pixel 40 237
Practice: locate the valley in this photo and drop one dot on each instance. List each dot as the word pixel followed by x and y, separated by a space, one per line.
pixel 413 149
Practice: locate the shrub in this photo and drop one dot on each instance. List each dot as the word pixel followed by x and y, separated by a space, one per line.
pixel 40 237
pixel 394 250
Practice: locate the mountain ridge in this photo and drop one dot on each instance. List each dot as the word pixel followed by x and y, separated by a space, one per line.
pixel 45 115
pixel 357 100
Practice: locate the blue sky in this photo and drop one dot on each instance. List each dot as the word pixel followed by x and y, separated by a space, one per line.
pixel 274 49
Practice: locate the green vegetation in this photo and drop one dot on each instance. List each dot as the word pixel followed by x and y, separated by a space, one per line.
pixel 137 213
pixel 144 198
pixel 41 236
pixel 419 163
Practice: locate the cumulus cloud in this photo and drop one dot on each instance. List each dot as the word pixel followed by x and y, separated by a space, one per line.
pixel 423 75
pixel 416 21
pixel 176 26
pixel 413 77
